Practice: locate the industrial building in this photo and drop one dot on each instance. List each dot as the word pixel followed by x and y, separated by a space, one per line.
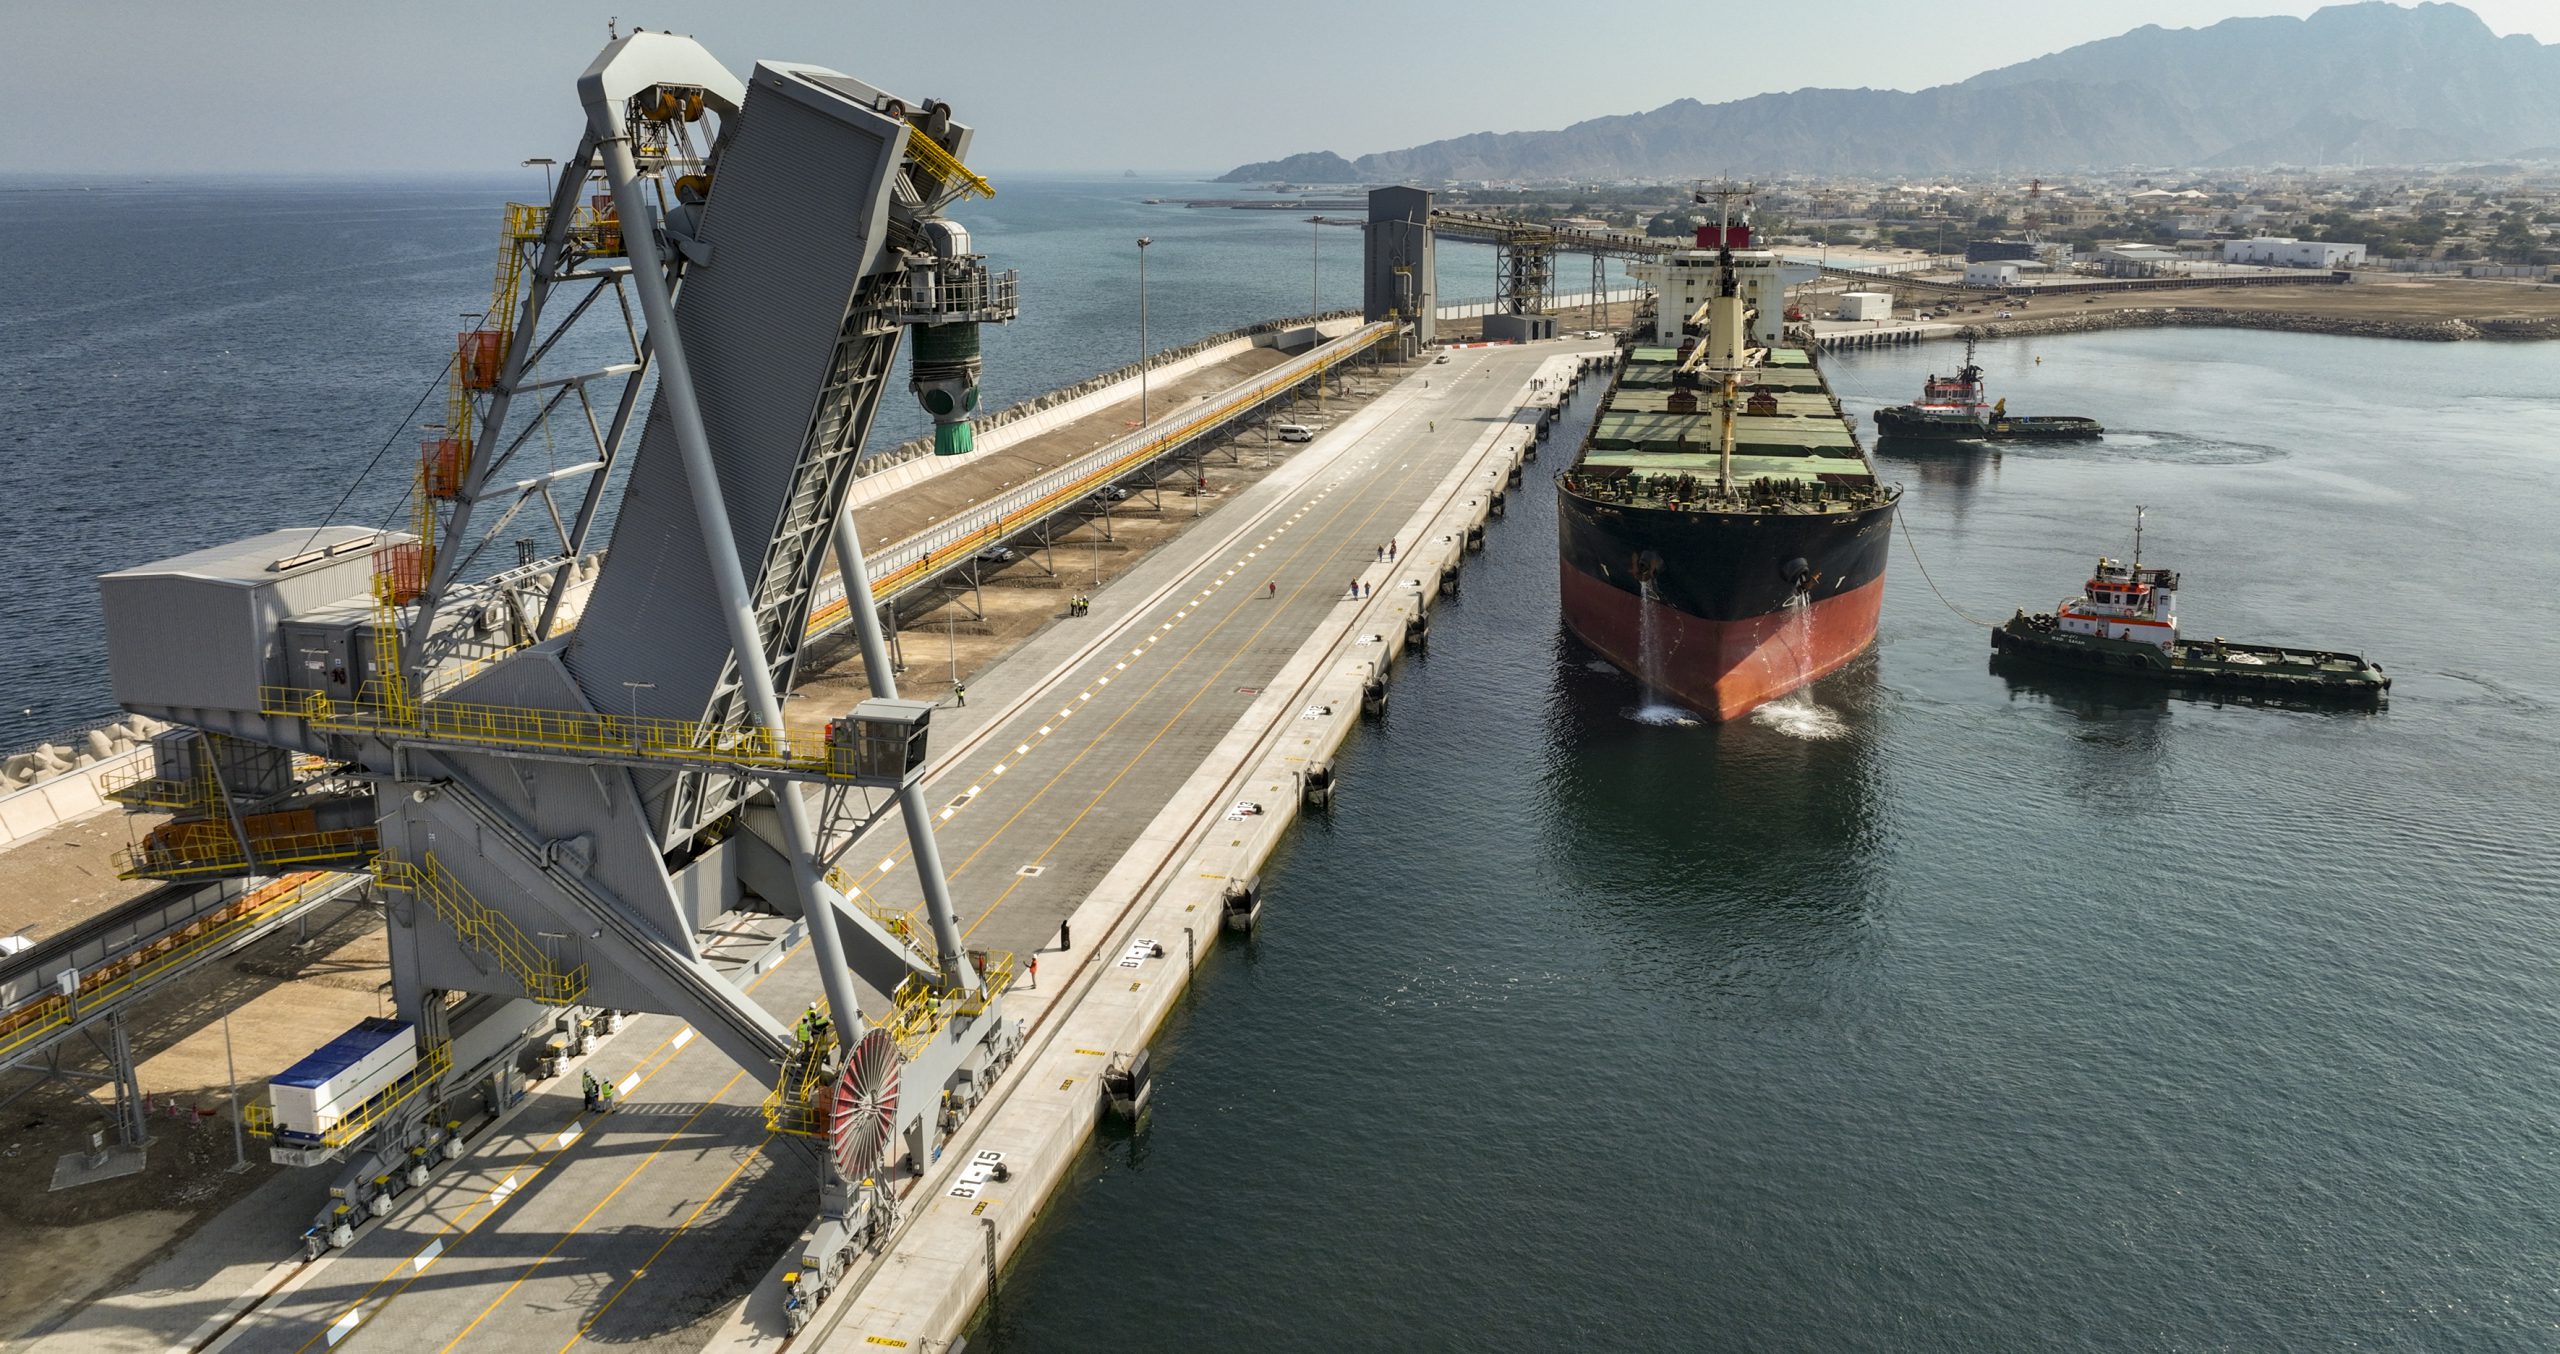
pixel 1866 305
pixel 2285 252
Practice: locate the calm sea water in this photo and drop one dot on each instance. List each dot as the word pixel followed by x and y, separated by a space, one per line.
pixel 184 363
pixel 1957 1013
pixel 1952 1012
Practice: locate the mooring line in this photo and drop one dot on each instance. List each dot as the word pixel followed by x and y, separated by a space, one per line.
pixel 1910 545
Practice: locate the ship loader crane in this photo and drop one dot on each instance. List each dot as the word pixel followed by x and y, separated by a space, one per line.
pixel 579 762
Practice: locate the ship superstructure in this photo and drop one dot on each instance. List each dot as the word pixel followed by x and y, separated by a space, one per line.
pixel 1722 535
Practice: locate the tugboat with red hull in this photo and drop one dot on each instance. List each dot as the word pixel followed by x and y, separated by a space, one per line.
pixel 1722 536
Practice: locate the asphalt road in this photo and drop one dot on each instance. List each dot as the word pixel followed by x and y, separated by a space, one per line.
pixel 638 1229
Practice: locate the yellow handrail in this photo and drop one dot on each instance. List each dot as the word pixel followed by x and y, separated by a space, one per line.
pixel 433 1062
pixel 486 929
pixel 1187 426
pixel 944 164
pixel 200 857
pixel 127 973
pixel 615 736
pixel 918 1012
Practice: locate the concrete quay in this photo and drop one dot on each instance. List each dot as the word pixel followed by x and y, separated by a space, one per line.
pixel 1154 913
pixel 645 1226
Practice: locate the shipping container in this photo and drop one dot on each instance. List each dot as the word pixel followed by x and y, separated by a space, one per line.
pixel 311 1096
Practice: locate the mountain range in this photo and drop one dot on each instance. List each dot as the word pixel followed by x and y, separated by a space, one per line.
pixel 2356 83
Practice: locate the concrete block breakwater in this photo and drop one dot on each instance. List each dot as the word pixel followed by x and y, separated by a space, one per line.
pixel 57 782
pixel 48 760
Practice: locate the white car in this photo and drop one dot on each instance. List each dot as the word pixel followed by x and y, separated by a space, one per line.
pixel 1294 432
pixel 1441 358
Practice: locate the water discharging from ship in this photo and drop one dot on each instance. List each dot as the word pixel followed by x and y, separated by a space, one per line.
pixel 1796 714
pixel 1657 707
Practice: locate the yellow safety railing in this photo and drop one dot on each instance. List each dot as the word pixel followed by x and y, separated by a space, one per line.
pixel 1181 429
pixel 433 1062
pixel 201 856
pixel 944 164
pixel 799 1105
pixel 128 973
pixel 143 787
pixel 900 924
pixel 919 1010
pixel 486 929
pixel 613 736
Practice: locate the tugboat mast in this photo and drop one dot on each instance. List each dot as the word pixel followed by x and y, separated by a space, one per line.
pixel 2137 542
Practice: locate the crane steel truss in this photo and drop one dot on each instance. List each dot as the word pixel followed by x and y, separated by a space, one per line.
pixel 777 237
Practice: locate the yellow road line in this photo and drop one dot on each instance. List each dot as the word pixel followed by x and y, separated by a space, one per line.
pixel 900 853
pixel 589 1215
pixel 1205 687
pixel 436 1247
pixel 690 1218
pixel 416 1264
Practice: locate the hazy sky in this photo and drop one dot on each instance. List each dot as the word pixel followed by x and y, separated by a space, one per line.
pixel 351 85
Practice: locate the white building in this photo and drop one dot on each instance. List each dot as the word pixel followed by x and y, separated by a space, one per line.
pixel 1866 305
pixel 1994 273
pixel 2282 252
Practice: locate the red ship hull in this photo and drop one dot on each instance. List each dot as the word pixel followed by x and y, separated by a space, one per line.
pixel 1723 669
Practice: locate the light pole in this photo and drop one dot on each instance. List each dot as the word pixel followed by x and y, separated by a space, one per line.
pixel 546 162
pixel 1315 267
pixel 635 688
pixel 231 1076
pixel 1143 242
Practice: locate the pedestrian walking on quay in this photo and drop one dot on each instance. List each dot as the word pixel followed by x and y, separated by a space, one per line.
pixel 1271 590
pixel 960 693
pixel 587 1083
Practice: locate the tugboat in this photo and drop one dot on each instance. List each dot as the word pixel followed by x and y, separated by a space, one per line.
pixel 1950 409
pixel 2124 622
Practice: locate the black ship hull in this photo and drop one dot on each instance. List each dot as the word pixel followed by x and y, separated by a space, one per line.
pixel 1722 610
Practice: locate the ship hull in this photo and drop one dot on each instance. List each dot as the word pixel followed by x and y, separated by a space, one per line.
pixel 1728 632
pixel 1907 424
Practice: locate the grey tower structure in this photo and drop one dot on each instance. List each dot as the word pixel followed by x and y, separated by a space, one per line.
pixel 1398 276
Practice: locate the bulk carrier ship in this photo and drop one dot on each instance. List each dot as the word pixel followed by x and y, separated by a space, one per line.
pixel 1722 535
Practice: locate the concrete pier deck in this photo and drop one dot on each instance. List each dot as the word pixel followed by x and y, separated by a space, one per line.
pixel 1145 903
pixel 1099 746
